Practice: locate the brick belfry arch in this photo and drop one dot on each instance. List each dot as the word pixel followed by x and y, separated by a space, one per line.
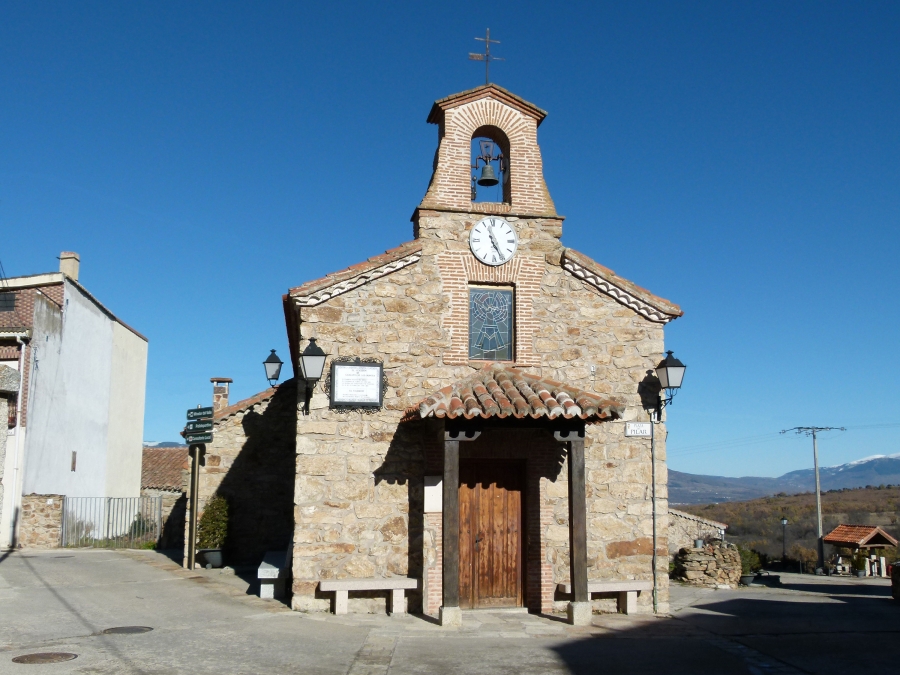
pixel 461 117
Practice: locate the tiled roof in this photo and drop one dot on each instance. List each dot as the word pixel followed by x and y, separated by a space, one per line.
pixel 161 467
pixel 353 276
pixel 501 391
pixel 247 403
pixel 859 535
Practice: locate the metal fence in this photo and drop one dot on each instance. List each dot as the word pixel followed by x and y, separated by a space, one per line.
pixel 111 522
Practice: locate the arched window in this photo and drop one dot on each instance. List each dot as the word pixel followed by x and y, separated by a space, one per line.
pixel 490 165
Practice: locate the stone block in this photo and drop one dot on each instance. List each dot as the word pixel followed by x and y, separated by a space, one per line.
pixel 579 613
pixel 451 617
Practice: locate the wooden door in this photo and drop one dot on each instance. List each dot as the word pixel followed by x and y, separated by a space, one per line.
pixel 490 533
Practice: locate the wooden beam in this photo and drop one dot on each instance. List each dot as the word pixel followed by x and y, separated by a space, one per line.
pixel 577 516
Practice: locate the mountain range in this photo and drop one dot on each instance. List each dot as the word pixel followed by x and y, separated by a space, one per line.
pixel 688 488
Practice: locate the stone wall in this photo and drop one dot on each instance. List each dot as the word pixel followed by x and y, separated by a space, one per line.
pixel 41 521
pixel 251 463
pixel 684 528
pixel 716 565
pixel 360 477
pixel 174 503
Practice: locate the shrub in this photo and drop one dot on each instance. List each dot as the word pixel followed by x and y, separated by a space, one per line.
pixel 750 562
pixel 213 526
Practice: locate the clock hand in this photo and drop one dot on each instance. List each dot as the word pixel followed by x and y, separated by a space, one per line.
pixel 494 241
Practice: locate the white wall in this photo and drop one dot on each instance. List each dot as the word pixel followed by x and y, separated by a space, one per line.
pixel 69 401
pixel 9 476
pixel 128 381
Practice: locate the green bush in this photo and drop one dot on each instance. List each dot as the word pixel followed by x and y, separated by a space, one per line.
pixel 213 526
pixel 750 562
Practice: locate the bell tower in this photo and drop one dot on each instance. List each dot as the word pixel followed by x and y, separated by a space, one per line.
pixel 488 162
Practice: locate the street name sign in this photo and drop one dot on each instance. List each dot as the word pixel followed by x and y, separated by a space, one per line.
pixel 639 429
pixel 193 439
pixel 200 413
pixel 204 425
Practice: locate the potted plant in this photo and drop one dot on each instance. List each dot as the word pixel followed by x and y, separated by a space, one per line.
pixel 859 563
pixel 749 565
pixel 211 531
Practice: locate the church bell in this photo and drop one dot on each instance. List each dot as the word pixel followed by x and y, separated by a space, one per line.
pixel 488 178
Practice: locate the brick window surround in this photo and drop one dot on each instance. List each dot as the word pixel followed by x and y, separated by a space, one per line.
pixel 459 270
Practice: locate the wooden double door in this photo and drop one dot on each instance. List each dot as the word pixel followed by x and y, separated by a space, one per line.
pixel 491 569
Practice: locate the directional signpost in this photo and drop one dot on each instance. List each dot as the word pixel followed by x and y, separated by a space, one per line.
pixel 197 432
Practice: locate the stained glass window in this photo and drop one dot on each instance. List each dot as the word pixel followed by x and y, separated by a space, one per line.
pixel 491 324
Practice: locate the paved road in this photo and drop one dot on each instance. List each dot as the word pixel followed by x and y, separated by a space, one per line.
pixel 205 622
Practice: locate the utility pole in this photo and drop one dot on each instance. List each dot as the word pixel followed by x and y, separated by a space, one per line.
pixel 820 544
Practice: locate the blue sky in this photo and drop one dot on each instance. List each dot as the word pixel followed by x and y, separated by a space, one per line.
pixel 741 159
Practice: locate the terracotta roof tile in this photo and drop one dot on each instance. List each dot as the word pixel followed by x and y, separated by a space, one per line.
pixel 161 467
pixel 859 535
pixel 501 391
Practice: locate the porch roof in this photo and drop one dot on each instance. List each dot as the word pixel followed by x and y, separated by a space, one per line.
pixel 502 391
pixel 859 536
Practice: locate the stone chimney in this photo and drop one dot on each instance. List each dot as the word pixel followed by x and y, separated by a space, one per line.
pixel 220 392
pixel 68 264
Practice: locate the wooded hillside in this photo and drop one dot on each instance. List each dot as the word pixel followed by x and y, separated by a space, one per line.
pixel 756 523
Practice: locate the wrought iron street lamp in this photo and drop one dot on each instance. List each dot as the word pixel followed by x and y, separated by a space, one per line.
pixel 273 364
pixel 312 363
pixel 670 372
pixel 783 540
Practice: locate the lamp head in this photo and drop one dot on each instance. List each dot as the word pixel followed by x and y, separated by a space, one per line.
pixel 312 362
pixel 670 372
pixel 273 364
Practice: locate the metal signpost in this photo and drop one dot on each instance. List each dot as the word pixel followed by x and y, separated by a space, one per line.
pixel 197 432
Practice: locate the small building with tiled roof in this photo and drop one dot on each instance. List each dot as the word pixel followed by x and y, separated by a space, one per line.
pixel 250 463
pixel 164 474
pixel 469 427
pixel 859 537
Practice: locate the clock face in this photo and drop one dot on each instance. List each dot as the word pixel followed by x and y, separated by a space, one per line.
pixel 493 241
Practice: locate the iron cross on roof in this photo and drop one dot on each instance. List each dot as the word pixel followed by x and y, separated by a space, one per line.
pixel 486 57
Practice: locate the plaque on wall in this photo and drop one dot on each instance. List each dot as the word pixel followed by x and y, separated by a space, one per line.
pixel 356 384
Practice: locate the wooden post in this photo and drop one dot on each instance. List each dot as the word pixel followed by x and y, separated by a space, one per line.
pixel 579 607
pixel 577 523
pixel 451 614
pixel 195 452
pixel 450 508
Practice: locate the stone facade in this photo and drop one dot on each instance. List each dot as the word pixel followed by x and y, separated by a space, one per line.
pixel 41 521
pixel 716 565
pixel 358 494
pixel 684 528
pixel 251 463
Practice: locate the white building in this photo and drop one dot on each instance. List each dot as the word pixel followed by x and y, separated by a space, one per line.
pixel 77 425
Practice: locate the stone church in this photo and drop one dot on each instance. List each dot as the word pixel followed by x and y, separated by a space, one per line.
pixel 493 469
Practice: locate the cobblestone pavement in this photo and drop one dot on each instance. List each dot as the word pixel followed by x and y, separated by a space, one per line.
pixel 208 621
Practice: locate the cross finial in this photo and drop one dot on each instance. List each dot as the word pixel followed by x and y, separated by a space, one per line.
pixel 486 57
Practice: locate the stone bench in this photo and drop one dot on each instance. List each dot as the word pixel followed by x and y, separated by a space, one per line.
pixel 396 585
pixel 272 574
pixel 626 592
